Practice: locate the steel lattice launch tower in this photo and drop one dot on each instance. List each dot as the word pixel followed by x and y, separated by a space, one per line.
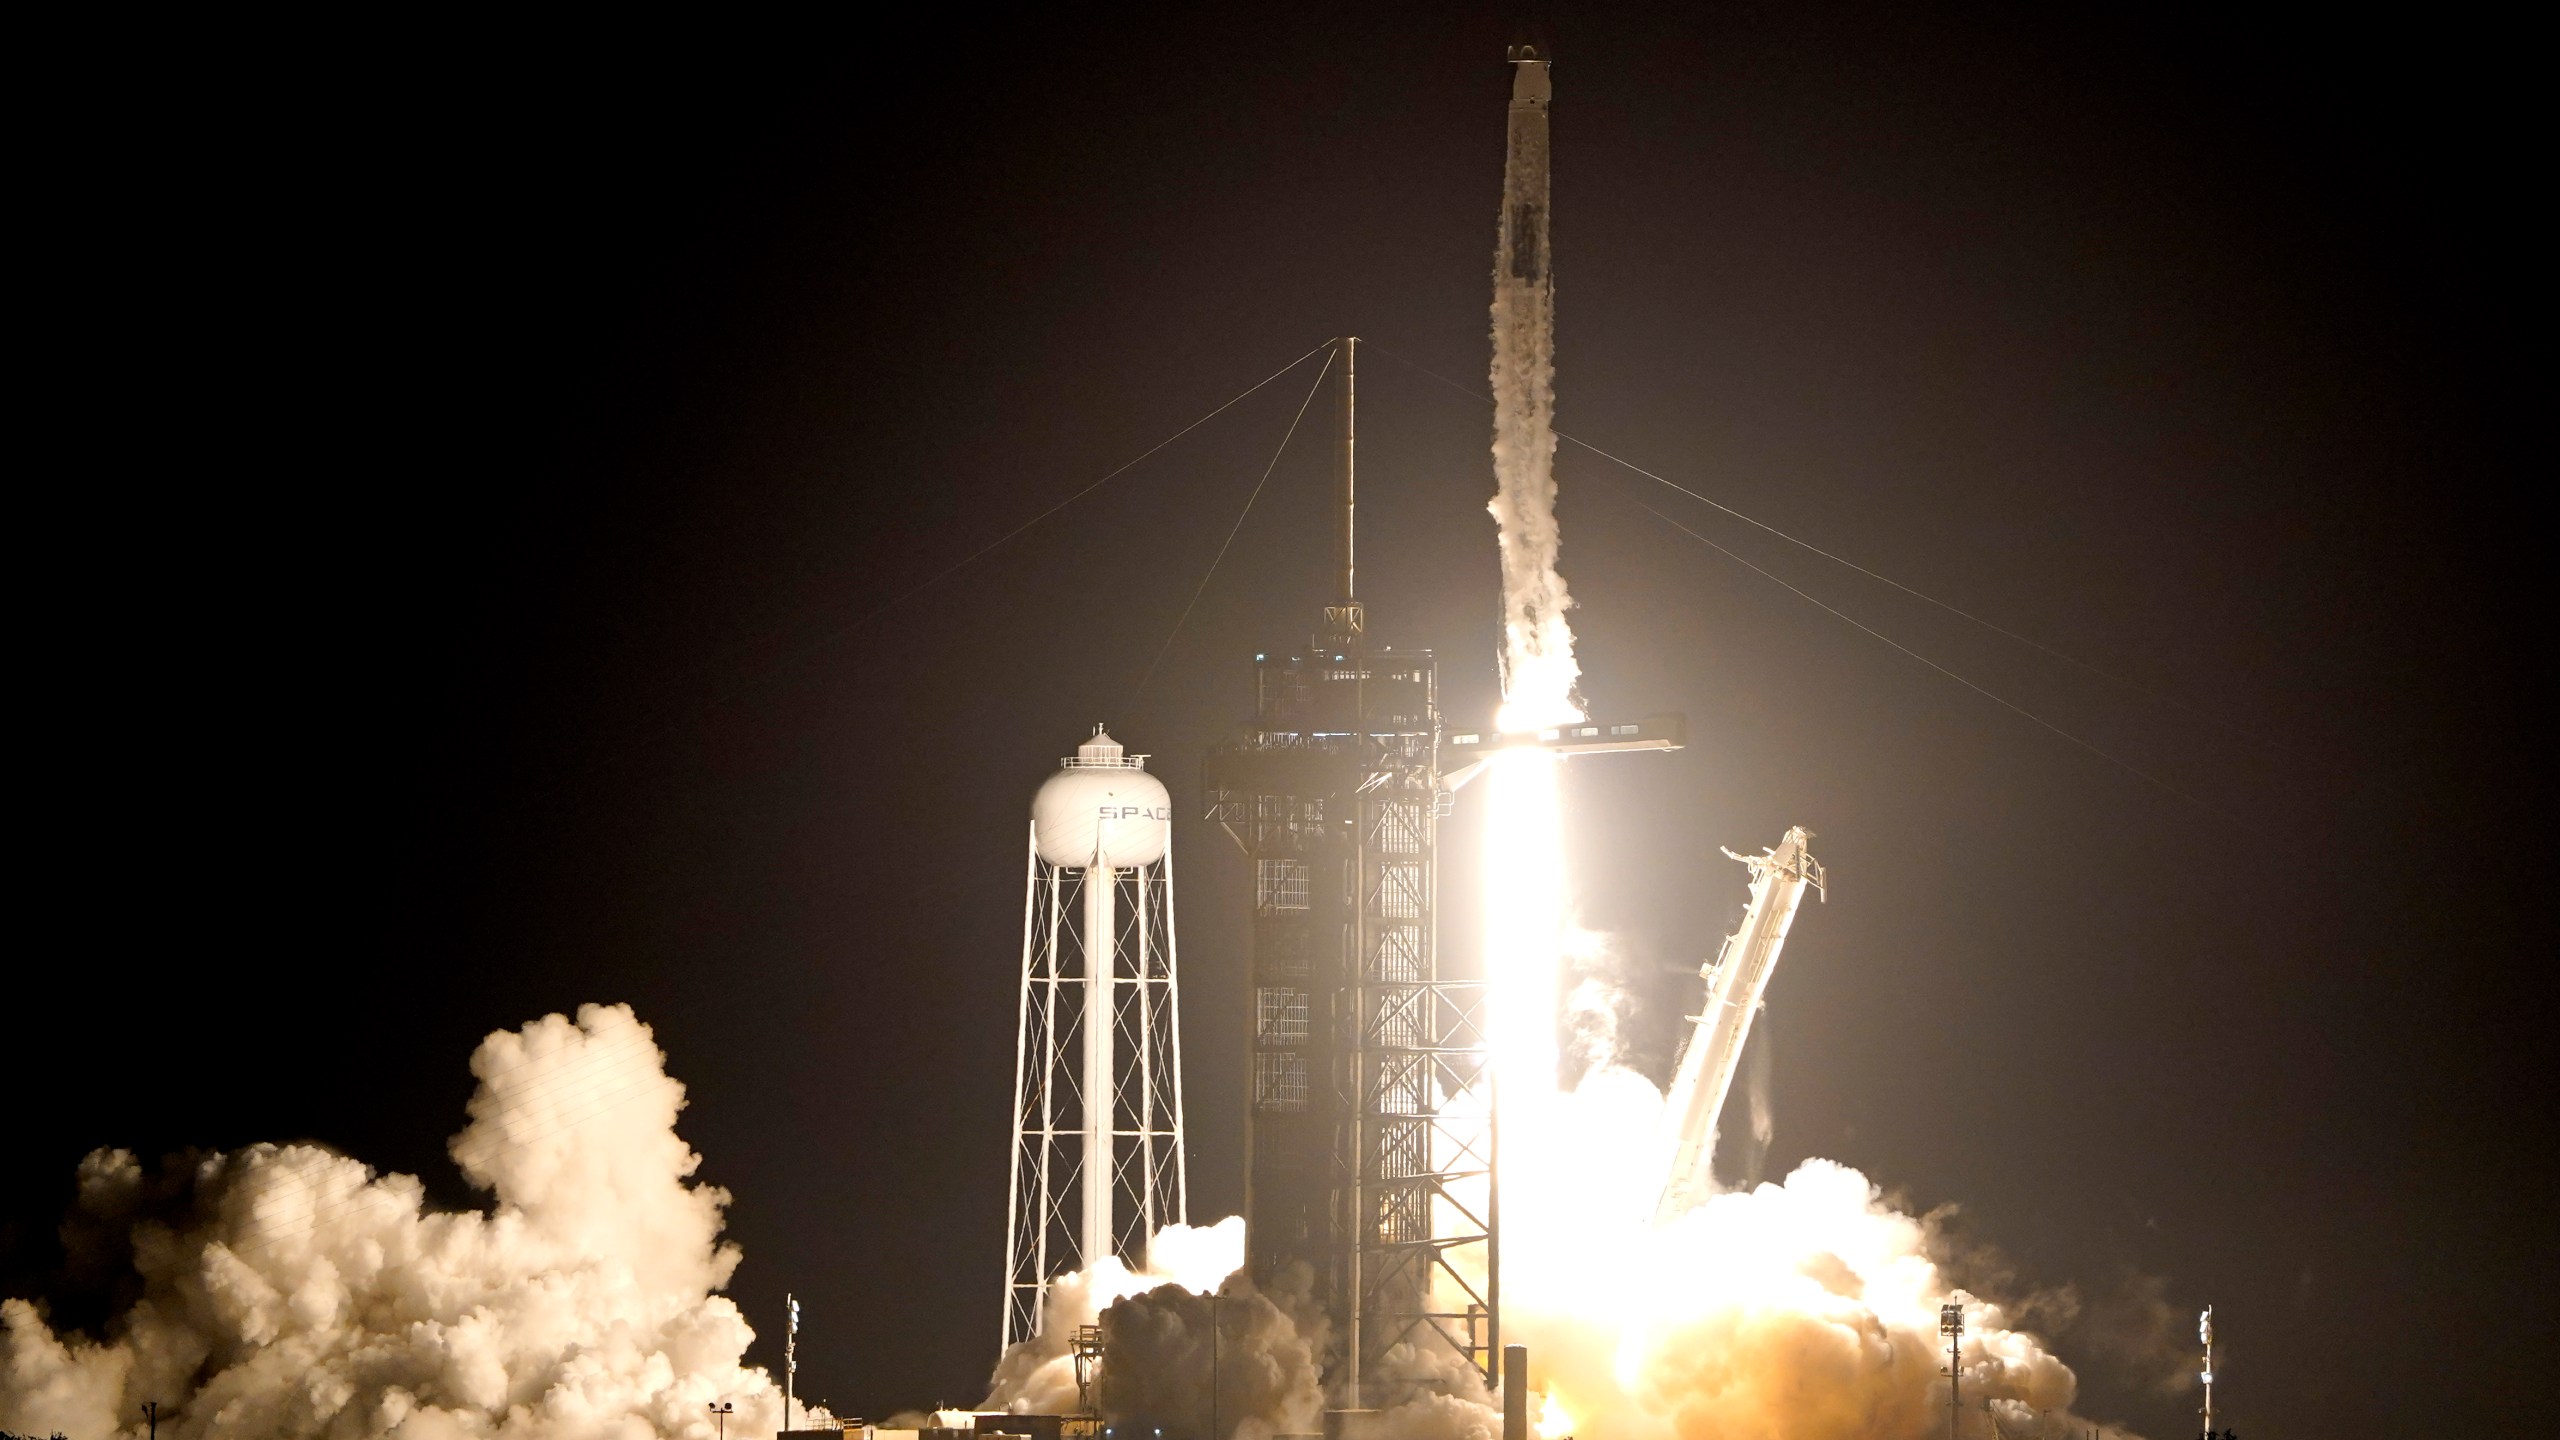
pixel 1097 1152
pixel 1369 1146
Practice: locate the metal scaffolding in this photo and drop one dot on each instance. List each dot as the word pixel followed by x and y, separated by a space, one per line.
pixel 1370 1125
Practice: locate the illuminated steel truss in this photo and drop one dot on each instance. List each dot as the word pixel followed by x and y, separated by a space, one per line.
pixel 1370 1132
pixel 1420 1194
pixel 1136 1130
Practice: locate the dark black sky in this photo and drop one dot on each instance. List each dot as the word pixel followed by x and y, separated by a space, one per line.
pixel 461 468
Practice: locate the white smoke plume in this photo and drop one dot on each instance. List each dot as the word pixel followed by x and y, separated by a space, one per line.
pixel 1805 1309
pixel 1193 1347
pixel 1235 1364
pixel 289 1292
pixel 1802 1310
pixel 1037 1376
pixel 1539 673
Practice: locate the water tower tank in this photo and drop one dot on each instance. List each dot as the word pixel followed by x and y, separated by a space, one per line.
pixel 1102 808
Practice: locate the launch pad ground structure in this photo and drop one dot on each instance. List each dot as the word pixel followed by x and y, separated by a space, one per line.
pixel 1371 1143
pixel 1370 1131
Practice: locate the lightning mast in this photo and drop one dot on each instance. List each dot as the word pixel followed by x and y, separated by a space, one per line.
pixel 1736 980
pixel 1366 1164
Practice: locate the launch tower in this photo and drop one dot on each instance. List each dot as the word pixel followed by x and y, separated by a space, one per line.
pixel 1369 1142
pixel 1736 980
pixel 1097 1152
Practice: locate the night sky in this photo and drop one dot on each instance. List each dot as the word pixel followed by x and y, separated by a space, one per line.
pixel 476 484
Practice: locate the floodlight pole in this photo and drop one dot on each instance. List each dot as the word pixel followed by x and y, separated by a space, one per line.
pixel 724 1409
pixel 1951 1325
pixel 2204 1332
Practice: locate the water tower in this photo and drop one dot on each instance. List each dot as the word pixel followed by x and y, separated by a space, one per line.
pixel 1097 1116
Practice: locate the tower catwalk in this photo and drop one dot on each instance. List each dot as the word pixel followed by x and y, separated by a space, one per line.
pixel 1369 1146
pixel 1097 1151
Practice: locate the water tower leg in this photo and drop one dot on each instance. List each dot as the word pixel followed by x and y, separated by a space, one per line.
pixel 1101 1094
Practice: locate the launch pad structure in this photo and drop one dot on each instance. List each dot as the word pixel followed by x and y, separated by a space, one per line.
pixel 1370 1150
pixel 1370 1129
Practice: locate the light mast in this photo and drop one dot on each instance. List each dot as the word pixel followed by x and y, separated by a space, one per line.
pixel 2204 1332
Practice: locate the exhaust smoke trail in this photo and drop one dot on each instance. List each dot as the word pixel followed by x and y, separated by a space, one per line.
pixel 289 1292
pixel 1539 673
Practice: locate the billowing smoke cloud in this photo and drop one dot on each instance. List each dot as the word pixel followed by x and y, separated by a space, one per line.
pixel 1037 1376
pixel 286 1291
pixel 1192 1347
pixel 1805 1309
pixel 1236 1364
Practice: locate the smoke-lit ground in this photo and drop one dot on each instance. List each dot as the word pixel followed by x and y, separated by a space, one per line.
pixel 1806 1307
pixel 1801 1309
pixel 287 1291
pixel 1186 1326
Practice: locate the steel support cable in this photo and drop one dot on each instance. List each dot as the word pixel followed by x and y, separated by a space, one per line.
pixel 1883 579
pixel 2126 766
pixel 1232 531
pixel 831 637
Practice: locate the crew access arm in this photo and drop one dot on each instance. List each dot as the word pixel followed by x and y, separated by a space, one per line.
pixel 1736 979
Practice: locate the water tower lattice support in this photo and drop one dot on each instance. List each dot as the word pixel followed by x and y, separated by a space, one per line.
pixel 1100 1017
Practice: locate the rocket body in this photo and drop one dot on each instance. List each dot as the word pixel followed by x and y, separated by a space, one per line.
pixel 1538 669
pixel 1524 186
